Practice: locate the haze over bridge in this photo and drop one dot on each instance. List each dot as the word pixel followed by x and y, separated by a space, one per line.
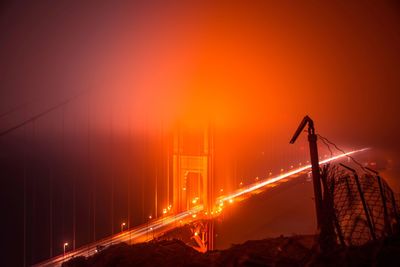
pixel 186 178
pixel 154 228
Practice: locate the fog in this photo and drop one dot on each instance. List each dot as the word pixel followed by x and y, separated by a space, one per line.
pixel 253 70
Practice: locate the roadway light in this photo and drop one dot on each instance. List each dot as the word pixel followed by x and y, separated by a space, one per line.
pixel 64 246
pixel 231 200
pixel 151 229
pixel 122 226
pixel 163 217
pixel 148 225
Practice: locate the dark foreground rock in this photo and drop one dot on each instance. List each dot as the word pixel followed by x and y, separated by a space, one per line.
pixel 281 252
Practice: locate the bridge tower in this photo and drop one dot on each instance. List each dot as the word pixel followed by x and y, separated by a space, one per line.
pixel 193 172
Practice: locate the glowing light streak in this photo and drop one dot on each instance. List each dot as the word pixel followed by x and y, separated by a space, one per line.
pixel 284 175
pixel 128 235
pixel 142 231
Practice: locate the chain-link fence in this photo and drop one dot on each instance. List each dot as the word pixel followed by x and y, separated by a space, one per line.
pixel 364 207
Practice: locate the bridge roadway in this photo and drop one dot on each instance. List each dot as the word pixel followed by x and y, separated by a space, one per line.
pixel 147 232
pixel 142 233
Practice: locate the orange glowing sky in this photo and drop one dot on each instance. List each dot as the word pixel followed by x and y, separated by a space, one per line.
pixel 253 68
pixel 243 65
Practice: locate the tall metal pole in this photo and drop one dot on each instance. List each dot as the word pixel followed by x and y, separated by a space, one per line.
pixel 324 222
pixel 312 139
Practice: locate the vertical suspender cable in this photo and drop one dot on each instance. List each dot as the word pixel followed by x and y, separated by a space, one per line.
pixel 92 177
pixel 89 171
pixel 168 169
pixel 51 212
pixel 63 176
pixel 33 224
pixel 24 204
pixel 156 175
pixel 74 135
pixel 130 173
pixel 144 217
pixel 142 182
pixel 112 168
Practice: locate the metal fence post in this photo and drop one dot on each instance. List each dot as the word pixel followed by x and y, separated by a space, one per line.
pixel 388 227
pixel 395 210
pixel 366 211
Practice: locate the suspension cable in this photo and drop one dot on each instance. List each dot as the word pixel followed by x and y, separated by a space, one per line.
pixel 40 114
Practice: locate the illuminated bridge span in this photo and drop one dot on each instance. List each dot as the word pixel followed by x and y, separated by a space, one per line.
pixel 142 233
pixel 149 231
pixel 271 181
pixel 181 182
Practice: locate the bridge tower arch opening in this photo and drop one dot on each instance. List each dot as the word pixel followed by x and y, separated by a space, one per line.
pixel 193 169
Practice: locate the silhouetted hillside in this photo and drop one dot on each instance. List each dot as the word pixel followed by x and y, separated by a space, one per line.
pixel 281 251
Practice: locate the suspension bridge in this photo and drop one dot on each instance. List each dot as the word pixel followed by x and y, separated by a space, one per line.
pixel 180 177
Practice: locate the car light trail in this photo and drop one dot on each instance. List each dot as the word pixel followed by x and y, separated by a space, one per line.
pixel 282 176
pixel 140 232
